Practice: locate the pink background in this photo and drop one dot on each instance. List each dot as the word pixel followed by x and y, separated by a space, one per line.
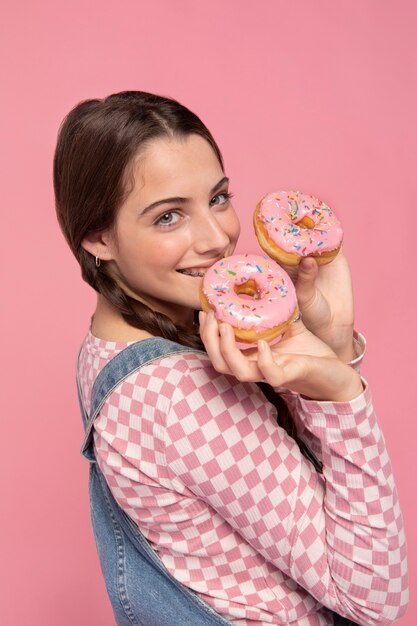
pixel 314 95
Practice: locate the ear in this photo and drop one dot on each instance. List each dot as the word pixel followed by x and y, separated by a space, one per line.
pixel 100 245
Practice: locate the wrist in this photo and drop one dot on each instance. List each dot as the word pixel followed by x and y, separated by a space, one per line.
pixel 334 382
pixel 348 384
pixel 341 341
pixel 347 352
pixel 350 392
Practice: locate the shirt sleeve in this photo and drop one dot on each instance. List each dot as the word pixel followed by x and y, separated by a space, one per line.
pixel 340 535
pixel 292 399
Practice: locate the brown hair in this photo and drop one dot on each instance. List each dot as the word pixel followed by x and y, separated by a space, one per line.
pixel 97 143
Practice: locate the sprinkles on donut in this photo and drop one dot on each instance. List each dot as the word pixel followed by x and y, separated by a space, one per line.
pixel 291 225
pixel 252 294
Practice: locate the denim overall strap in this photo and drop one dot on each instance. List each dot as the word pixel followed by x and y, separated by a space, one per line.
pixel 126 362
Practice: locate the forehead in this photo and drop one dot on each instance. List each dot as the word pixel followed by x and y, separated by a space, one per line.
pixel 169 164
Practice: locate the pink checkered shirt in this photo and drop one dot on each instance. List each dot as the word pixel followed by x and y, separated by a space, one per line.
pixel 231 506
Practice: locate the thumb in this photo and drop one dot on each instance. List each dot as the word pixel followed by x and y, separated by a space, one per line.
pixel 307 274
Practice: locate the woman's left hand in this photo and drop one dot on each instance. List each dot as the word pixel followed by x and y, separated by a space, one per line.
pixel 325 299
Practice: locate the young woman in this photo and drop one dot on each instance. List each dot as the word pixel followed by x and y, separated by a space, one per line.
pixel 273 503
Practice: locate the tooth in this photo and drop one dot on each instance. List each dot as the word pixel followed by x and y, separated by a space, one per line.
pixel 192 273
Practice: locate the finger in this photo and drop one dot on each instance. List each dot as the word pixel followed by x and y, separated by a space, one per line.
pixel 279 369
pixel 307 274
pixel 243 367
pixel 202 315
pixel 209 334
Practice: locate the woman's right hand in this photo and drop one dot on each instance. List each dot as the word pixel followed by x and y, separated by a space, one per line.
pixel 300 362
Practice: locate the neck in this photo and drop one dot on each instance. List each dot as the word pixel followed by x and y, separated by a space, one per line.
pixel 108 324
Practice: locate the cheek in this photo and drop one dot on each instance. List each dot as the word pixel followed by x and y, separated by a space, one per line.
pixel 233 226
pixel 156 252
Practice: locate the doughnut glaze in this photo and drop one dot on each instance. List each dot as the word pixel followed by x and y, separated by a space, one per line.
pixel 253 294
pixel 291 225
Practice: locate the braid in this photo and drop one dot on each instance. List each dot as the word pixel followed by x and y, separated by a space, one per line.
pixel 138 315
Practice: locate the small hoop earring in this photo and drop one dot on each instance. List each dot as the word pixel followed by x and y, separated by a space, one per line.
pixel 98 261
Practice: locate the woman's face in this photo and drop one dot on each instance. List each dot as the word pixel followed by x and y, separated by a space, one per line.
pixel 177 221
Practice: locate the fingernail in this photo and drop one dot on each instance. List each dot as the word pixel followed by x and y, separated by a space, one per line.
pixel 210 316
pixel 223 330
pixel 262 346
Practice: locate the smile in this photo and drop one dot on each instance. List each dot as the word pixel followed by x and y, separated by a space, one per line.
pixel 197 273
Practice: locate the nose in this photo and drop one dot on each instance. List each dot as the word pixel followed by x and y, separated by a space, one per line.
pixel 210 236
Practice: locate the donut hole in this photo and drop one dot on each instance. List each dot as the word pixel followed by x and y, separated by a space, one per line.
pixel 247 290
pixel 306 222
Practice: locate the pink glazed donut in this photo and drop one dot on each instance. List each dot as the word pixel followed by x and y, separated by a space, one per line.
pixel 252 294
pixel 291 225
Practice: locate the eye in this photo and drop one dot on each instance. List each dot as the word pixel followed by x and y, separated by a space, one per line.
pixel 168 219
pixel 221 198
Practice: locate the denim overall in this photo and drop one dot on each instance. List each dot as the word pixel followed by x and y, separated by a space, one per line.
pixel 141 590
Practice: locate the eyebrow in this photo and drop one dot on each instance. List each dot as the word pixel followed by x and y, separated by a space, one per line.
pixel 180 200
